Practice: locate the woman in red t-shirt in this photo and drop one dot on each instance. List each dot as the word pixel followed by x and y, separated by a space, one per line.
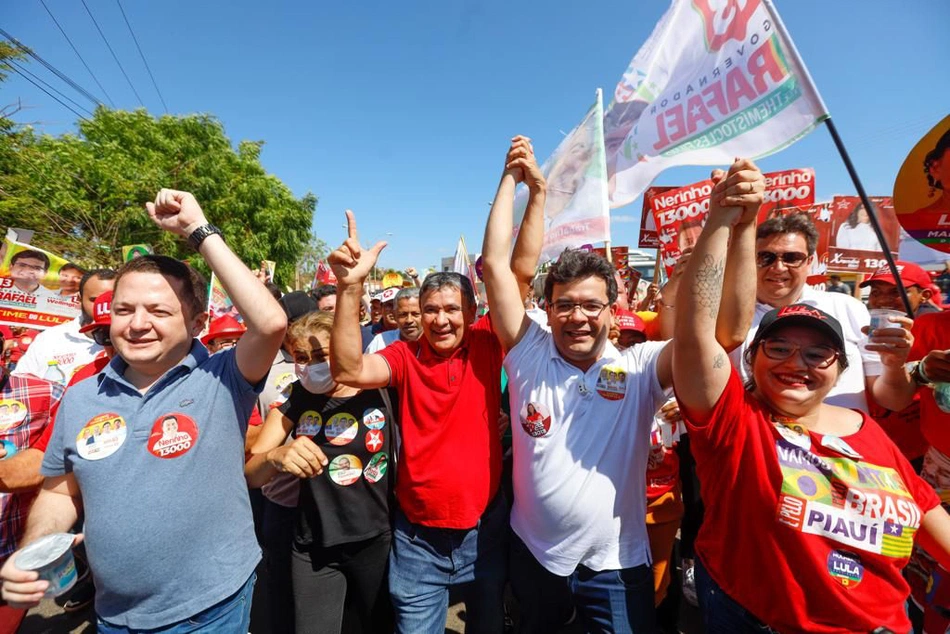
pixel 811 511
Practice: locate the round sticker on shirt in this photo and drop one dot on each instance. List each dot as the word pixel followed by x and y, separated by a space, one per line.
pixel 342 429
pixel 612 382
pixel 282 383
pixel 173 435
pixel 309 423
pixel 535 419
pixel 345 469
pixel 12 413
pixel 374 418
pixel 376 468
pixel 374 440
pixel 101 437
pixel 845 568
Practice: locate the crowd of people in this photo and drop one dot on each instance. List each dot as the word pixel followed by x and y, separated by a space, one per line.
pixel 369 454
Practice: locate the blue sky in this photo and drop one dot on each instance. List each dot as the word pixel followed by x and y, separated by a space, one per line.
pixel 403 111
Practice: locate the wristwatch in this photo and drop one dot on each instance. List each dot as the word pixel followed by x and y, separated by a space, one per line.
pixel 198 235
pixel 916 373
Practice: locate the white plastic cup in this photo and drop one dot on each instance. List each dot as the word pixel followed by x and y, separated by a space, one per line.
pixel 52 557
pixel 880 318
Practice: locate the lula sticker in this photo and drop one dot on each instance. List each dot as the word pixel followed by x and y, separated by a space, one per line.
pixel 374 418
pixel 309 423
pixel 345 469
pixel 341 429
pixel 173 435
pixel 12 413
pixel 612 382
pixel 376 468
pixel 101 437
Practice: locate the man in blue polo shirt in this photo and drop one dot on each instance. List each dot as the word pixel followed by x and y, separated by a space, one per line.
pixel 170 537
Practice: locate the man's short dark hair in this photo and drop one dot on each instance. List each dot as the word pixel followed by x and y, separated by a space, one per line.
pixel 438 281
pixel 793 223
pixel 99 274
pixel 74 267
pixel 323 291
pixel 273 289
pixel 194 288
pixel 575 265
pixel 33 255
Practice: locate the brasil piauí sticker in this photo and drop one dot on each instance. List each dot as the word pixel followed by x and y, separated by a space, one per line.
pixel 612 382
pixel 341 429
pixel 309 423
pixel 374 440
pixel 374 418
pixel 12 413
pixel 535 419
pixel 173 435
pixel 101 437
pixel 345 469
pixel 845 568
pixel 376 468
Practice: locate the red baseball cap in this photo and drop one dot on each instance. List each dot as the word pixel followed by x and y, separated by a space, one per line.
pixel 101 313
pixel 223 326
pixel 911 275
pixel 627 320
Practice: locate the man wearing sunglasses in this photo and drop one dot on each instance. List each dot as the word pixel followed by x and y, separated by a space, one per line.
pixel 783 256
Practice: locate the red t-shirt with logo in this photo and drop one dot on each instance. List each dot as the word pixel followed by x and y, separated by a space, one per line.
pixel 808 532
pixel 902 427
pixel 932 332
pixel 449 465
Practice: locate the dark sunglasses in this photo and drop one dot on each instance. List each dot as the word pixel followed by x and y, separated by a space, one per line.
pixel 101 336
pixel 791 259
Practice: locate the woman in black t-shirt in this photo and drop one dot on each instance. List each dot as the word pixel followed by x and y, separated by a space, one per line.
pixel 341 450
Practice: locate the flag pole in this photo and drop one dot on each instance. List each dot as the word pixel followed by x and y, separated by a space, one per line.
pixel 872 214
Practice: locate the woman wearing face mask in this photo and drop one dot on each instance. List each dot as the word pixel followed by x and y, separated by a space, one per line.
pixel 341 451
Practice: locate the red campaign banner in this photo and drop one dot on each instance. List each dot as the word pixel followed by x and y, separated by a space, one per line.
pixel 648 237
pixel 679 215
pixel 787 189
pixel 853 246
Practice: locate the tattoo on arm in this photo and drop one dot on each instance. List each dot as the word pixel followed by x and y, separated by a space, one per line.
pixel 708 285
pixel 719 361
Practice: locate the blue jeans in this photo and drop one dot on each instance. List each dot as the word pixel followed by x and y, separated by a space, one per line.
pixel 425 562
pixel 230 616
pixel 721 614
pixel 617 601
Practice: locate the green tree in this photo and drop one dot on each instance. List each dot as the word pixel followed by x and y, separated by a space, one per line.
pixel 84 194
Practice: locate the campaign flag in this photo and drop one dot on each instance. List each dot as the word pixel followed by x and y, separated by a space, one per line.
pixel 680 215
pixel 219 302
pixel 575 208
pixel 715 80
pixel 132 251
pixel 853 246
pixel 324 275
pixel 37 288
pixel 787 189
pixel 648 236
pixel 463 264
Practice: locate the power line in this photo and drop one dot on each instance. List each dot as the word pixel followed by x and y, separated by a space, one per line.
pixel 39 79
pixel 76 50
pixel 57 99
pixel 114 56
pixel 22 47
pixel 142 55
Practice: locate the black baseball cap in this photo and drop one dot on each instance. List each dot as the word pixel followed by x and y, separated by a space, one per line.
pixel 296 305
pixel 801 315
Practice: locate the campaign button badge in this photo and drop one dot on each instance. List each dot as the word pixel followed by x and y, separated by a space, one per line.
pixel 838 445
pixel 376 468
pixel 374 418
pixel 342 429
pixel 12 413
pixel 535 419
pixel 845 568
pixel 173 435
pixel 798 437
pixel 612 382
pixel 345 469
pixel 374 440
pixel 309 424
pixel 101 437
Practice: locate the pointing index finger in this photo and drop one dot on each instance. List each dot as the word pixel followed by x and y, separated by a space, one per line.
pixel 352 233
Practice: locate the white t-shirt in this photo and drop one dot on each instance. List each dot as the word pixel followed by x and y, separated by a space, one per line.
pixel 64 343
pixel 382 340
pixel 852 315
pixel 581 442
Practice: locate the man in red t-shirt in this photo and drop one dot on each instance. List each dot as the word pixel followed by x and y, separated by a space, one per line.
pixel 451 525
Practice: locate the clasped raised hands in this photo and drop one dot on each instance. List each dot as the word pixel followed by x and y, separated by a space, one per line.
pixel 522 164
pixel 350 262
pixel 737 194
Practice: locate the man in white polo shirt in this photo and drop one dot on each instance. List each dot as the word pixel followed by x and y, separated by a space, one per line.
pixel 581 413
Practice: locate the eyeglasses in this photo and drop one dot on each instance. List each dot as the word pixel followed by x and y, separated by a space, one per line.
pixel 591 308
pixel 791 259
pixel 817 356
pixel 101 336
